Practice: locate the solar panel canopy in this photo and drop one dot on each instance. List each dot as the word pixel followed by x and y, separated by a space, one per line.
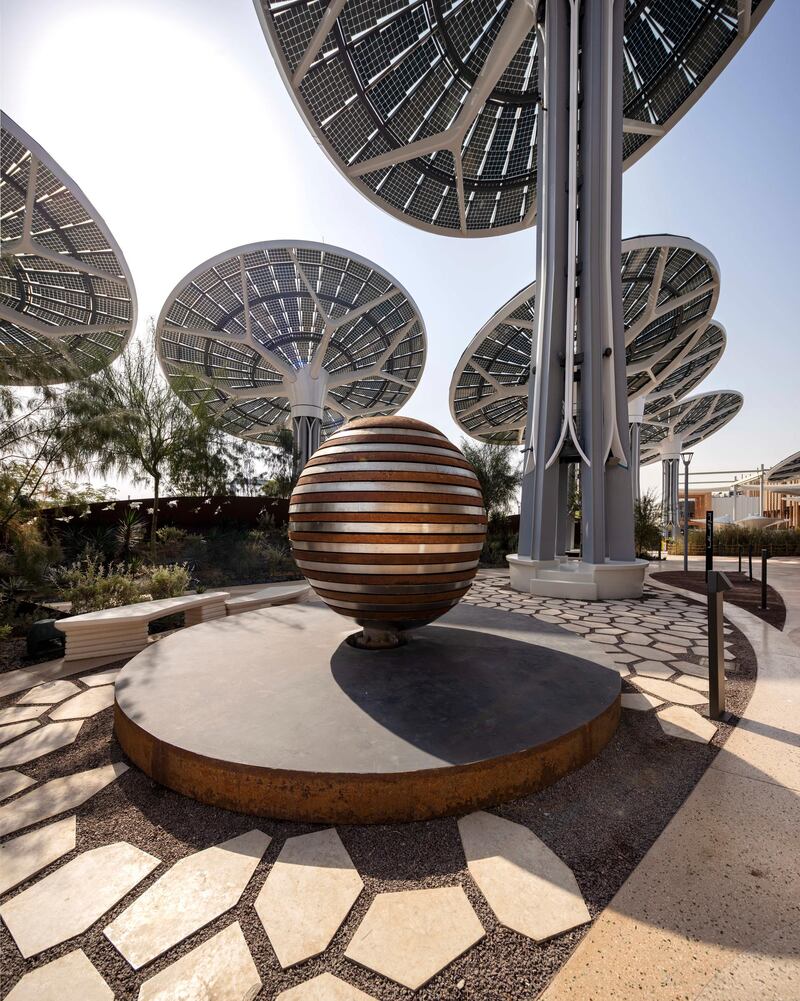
pixel 786 470
pixel 275 328
pixel 67 301
pixel 670 289
pixel 697 365
pixel 431 107
pixel 689 422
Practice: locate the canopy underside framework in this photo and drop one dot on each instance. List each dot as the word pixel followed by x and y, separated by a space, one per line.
pixel 689 422
pixel 67 302
pixel 431 107
pixel 699 362
pixel 785 471
pixel 264 328
pixel 670 288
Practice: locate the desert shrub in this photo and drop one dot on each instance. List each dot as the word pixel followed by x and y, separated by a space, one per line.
pixel 728 538
pixel 5 632
pixel 501 539
pixel 166 581
pixel 91 585
pixel 177 545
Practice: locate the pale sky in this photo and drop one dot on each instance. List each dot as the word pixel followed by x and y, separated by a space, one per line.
pixel 172 117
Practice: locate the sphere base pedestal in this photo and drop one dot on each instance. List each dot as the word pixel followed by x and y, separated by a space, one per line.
pixel 274 713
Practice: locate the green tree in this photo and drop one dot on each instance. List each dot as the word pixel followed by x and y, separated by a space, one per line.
pixel 647 527
pixel 498 471
pixel 132 423
pixel 282 471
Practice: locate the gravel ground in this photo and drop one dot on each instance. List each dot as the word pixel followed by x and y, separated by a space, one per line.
pixel 744 594
pixel 601 821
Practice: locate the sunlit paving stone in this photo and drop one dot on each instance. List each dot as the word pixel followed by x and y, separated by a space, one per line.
pixel 221 969
pixel 638 639
pixel 604 640
pixel 412 935
pixel 526 884
pixel 68 978
pixel 44 740
pixel 307 895
pixel 639 701
pixel 619 657
pixel 654 669
pixel 670 692
pixel 86 704
pixel 57 796
pixel 674 640
pixel 29 853
pixel 646 652
pixel 102 678
pixel 13 782
pixel 14 730
pixel 677 651
pixel 677 721
pixel 187 897
pixel 325 987
pixel 16 714
pixel 72 898
pixel 702 653
pixel 688 667
pixel 696 684
pixel 49 693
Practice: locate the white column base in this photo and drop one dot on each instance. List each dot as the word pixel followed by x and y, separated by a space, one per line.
pixel 565 578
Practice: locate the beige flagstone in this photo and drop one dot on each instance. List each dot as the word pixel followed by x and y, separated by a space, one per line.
pixel 44 740
pixel 49 692
pixel 103 678
pixel 27 677
pixel 307 895
pixel 647 652
pixel 221 969
pixel 29 853
pixel 637 639
pixel 670 692
pixel 197 889
pixel 13 782
pixel 15 714
pixel 526 884
pixel 687 667
pixel 412 935
pixel 697 684
pixel 325 987
pixel 69 978
pixel 86 704
pixel 71 899
pixel 57 796
pixel 653 669
pixel 640 701
pixel 678 721
pixel 14 730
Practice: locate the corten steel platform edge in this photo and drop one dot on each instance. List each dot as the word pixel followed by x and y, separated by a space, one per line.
pixel 348 798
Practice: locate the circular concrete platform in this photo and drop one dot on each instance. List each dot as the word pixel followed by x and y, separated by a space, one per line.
pixel 274 713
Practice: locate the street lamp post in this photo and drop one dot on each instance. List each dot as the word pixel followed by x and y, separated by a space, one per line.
pixel 687 458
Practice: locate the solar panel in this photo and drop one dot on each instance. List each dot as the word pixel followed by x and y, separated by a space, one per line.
pixel 691 421
pixel 431 107
pixel 268 328
pixel 697 365
pixel 67 302
pixel 670 288
pixel 786 470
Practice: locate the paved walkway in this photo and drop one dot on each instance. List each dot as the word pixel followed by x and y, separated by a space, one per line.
pixel 712 913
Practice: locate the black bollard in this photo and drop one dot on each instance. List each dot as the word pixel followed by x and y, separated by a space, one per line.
pixel 718 583
pixel 750 560
pixel 740 559
pixel 763 580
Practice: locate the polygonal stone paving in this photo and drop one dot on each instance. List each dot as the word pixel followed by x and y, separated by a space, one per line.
pixel 412 935
pixel 86 704
pixel 16 714
pixel 526 884
pixel 44 740
pixel 639 701
pixel 696 670
pixel 697 684
pixel 69 978
pixel 325 987
pixel 72 898
pixel 29 853
pixel 102 678
pixel 57 796
pixel 49 693
pixel 677 721
pixel 13 782
pixel 654 669
pixel 670 692
pixel 647 652
pixel 13 730
pixel 187 897
pixel 307 895
pixel 221 969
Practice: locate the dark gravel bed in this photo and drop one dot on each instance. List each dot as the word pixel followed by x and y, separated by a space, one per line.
pixel 744 593
pixel 600 820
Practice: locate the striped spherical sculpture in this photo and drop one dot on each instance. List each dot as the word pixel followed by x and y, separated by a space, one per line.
pixel 387 524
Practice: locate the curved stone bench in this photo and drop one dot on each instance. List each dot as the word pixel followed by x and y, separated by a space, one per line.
pixel 274 594
pixel 124 630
